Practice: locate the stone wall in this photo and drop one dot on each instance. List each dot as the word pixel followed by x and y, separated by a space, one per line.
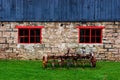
pixel 56 38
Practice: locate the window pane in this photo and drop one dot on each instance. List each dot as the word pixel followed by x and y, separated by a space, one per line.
pixel 82 31
pixel 98 32
pixel 35 35
pixel 87 39
pixel 87 32
pixel 21 40
pixel 32 39
pixel 93 32
pixel 37 32
pixel 98 39
pixel 37 39
pixel 81 39
pixel 92 39
pixel 23 32
pixel 24 40
pixel 32 32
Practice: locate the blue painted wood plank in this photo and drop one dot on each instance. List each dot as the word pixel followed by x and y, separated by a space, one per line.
pixel 88 10
pixel 102 9
pixel 91 10
pixel 59 10
pixel 19 10
pixel 13 10
pixel 37 10
pixel 117 8
pixel 6 10
pixel 108 9
pixel 1 10
pixel 113 10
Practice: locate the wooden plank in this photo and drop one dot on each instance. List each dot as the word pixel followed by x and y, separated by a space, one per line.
pixel 51 10
pixel 108 10
pixel 96 9
pixel 6 10
pixel 102 12
pixel 113 10
pixel 37 10
pixel 13 10
pixel 79 10
pixel 28 10
pixel 1 10
pixel 19 10
pixel 117 10
pixel 88 10
pixel 91 10
pixel 64 15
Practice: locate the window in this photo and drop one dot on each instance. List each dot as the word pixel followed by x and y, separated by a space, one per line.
pixel 90 34
pixel 29 34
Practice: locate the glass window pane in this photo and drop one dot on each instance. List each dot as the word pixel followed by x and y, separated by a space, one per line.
pixel 92 39
pixel 23 40
pixel 32 39
pixel 37 39
pixel 93 32
pixel 26 40
pixel 98 32
pixel 23 32
pixel 81 39
pixel 32 32
pixel 82 31
pixel 98 39
pixel 87 32
pixel 87 39
pixel 37 32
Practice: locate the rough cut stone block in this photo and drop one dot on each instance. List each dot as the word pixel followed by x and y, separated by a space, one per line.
pixel 109 30
pixel 15 30
pixel 115 53
pixel 12 45
pixel 108 46
pixel 116 46
pixel 4 46
pixel 117 22
pixel 7 34
pixel 1 34
pixel 2 40
pixel 2 56
pixel 107 23
pixel 9 30
pixel 111 26
pixel 113 50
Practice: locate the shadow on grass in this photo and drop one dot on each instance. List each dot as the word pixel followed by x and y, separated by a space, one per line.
pixel 80 66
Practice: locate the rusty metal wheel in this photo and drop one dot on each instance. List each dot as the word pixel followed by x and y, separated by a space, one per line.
pixel 93 62
pixel 44 63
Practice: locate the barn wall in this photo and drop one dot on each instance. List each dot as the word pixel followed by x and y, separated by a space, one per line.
pixel 59 10
pixel 57 37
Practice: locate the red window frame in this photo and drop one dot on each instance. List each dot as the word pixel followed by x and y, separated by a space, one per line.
pixel 90 36
pixel 30 28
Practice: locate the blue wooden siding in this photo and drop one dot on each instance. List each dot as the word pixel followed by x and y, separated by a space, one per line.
pixel 59 10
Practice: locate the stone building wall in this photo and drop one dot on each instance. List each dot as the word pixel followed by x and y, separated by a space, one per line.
pixel 56 38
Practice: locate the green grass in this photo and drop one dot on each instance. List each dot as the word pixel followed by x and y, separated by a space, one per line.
pixel 32 70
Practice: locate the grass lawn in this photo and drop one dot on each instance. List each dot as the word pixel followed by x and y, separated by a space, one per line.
pixel 32 70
